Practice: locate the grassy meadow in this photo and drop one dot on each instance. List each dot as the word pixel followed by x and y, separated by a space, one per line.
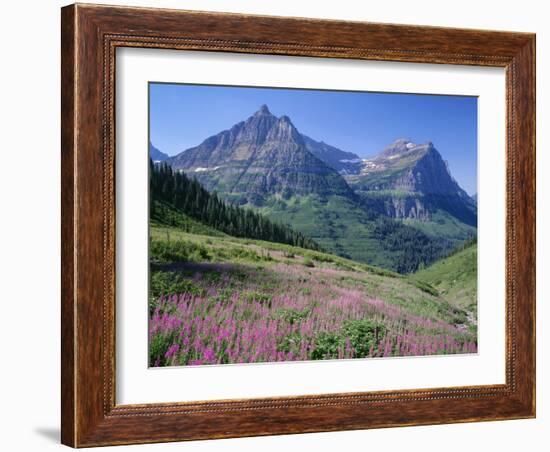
pixel 219 299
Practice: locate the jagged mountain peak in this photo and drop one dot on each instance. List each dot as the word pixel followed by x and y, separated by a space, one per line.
pixel 263 156
pixel 283 130
pixel 263 113
pixel 262 116
pixel 263 110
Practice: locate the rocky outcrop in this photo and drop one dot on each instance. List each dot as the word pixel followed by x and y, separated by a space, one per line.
pixel 407 207
pixel 413 181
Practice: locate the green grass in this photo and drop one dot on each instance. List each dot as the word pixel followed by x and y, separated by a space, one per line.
pixel 164 214
pixel 206 248
pixel 184 247
pixel 454 278
pixel 415 295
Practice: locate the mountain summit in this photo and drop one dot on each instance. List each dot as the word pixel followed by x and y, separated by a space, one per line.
pixel 398 147
pixel 264 110
pixel 409 167
pixel 262 156
pixel 413 182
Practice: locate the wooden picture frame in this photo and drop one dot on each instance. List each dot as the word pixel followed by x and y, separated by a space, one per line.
pixel 90 36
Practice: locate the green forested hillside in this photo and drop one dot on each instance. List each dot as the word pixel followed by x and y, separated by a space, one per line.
pixel 454 278
pixel 443 225
pixel 344 227
pixel 162 213
pixel 173 191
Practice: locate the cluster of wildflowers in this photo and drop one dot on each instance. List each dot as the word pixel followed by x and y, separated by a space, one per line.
pixel 246 323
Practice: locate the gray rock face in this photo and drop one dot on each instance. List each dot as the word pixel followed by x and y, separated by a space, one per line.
pixel 409 207
pixel 398 147
pixel 408 167
pixel 264 155
pixel 413 181
pixel 430 175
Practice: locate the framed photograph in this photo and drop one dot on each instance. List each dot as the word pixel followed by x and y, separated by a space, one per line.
pixel 281 225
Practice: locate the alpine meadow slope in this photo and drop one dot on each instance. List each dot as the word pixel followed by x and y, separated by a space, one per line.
pixel 454 277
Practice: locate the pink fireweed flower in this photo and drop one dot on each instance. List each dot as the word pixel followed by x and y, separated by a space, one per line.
pixel 172 350
pixel 209 355
pixel 236 328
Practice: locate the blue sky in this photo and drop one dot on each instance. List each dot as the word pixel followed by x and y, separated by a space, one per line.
pixel 182 116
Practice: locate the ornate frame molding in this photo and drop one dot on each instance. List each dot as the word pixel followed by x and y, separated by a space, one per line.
pixel 90 37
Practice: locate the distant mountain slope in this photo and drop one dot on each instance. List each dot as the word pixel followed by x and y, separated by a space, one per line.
pixel 455 278
pixel 155 155
pixel 343 226
pixel 342 161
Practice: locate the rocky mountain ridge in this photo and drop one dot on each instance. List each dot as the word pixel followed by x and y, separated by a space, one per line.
pixel 262 156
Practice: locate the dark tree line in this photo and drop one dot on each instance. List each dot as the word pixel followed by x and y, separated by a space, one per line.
pixel 414 246
pixel 189 196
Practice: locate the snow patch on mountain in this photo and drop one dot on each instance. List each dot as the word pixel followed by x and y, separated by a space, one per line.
pixel 202 169
pixel 351 160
